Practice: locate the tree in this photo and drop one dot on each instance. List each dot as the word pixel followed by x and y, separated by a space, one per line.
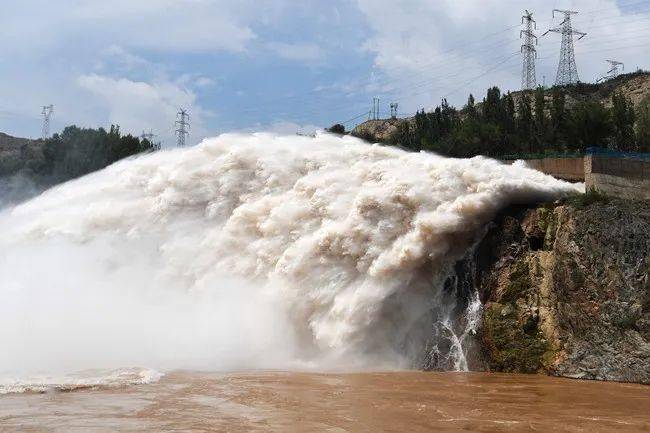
pixel 642 127
pixel 589 125
pixel 470 108
pixel 525 122
pixel 492 106
pixel 508 114
pixel 76 151
pixel 337 129
pixel 623 121
pixel 558 114
pixel 540 116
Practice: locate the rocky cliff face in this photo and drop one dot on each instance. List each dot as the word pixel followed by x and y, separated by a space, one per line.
pixel 377 130
pixel 566 291
pixel 635 87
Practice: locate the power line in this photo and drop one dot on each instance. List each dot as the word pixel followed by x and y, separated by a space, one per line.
pixel 613 70
pixel 600 44
pixel 355 118
pixel 480 45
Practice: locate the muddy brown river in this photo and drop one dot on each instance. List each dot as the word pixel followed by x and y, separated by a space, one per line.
pixel 355 402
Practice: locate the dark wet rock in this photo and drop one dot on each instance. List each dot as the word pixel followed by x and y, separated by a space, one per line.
pixel 566 291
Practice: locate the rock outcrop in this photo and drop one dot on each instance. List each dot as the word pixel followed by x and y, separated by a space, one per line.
pixel 566 290
pixel 377 130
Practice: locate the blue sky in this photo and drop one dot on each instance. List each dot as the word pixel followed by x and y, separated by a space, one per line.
pixel 279 65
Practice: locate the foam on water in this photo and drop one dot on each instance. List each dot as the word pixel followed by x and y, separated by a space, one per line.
pixel 79 380
pixel 247 251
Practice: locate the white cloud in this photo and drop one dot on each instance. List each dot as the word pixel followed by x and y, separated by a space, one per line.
pixel 204 82
pixel 299 51
pixel 284 127
pixel 138 105
pixel 194 80
pixel 429 49
pixel 125 57
pixel 161 25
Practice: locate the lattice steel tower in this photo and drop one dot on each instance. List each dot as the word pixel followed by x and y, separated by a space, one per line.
pixel 567 72
pixel 374 114
pixel 393 110
pixel 613 71
pixel 528 77
pixel 183 124
pixel 47 113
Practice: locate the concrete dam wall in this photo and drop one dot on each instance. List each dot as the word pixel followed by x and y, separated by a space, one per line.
pixel 625 175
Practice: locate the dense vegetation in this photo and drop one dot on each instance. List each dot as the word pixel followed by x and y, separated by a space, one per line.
pixel 73 153
pixel 526 123
pixel 27 167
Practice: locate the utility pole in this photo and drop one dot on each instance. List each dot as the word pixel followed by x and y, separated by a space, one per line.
pixel 528 77
pixel 613 70
pixel 47 113
pixel 183 124
pixel 567 72
pixel 393 110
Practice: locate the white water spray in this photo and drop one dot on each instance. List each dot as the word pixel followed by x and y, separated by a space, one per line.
pixel 247 251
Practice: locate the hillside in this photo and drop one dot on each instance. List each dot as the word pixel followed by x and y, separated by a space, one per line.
pixel 635 87
pixel 30 166
pixel 16 151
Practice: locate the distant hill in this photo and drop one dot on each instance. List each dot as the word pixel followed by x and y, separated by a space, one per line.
pixel 15 152
pixel 29 166
pixel 634 86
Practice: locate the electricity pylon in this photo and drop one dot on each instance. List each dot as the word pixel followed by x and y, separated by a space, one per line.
pixel 47 113
pixel 613 70
pixel 528 77
pixel 149 136
pixel 182 124
pixel 375 109
pixel 567 72
pixel 393 110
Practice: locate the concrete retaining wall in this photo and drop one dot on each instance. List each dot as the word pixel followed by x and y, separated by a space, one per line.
pixel 614 173
pixel 618 176
pixel 571 169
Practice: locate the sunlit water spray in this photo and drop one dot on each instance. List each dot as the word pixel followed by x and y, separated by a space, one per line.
pixel 247 251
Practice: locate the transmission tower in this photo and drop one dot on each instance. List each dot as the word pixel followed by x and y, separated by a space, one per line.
pixel 528 77
pixel 47 113
pixel 375 109
pixel 393 110
pixel 567 72
pixel 150 136
pixel 183 124
pixel 613 70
